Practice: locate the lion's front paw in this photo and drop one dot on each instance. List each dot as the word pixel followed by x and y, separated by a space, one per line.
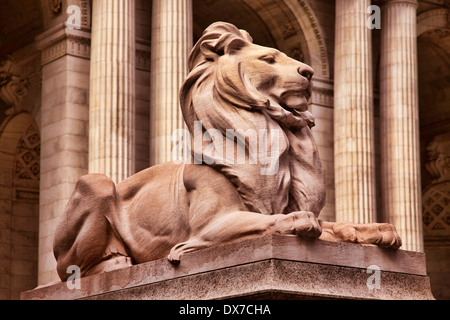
pixel 305 224
pixel 381 234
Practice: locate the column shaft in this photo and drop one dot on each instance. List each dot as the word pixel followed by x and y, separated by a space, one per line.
pixel 400 122
pixel 112 105
pixel 353 115
pixel 171 44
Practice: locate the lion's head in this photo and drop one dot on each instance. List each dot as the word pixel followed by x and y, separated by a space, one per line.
pixel 248 76
pixel 236 84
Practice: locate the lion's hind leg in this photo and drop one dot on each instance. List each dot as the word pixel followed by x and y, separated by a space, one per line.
pixel 185 247
pixel 84 236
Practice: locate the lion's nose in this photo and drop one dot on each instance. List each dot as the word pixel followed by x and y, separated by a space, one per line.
pixel 306 71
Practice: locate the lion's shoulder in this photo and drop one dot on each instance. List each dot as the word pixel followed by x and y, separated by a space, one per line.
pixel 201 175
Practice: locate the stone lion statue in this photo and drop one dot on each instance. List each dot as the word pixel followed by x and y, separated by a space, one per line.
pixel 175 208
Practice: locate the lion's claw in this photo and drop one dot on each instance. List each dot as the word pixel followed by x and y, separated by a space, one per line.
pixel 306 225
pixel 381 234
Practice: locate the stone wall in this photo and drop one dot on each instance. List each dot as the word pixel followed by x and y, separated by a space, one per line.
pixel 19 204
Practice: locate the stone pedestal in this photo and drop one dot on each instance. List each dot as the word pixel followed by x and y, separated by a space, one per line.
pixel 270 267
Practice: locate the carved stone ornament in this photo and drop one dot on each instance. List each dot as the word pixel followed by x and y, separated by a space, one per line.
pixel 55 6
pixel 436 197
pixel 27 164
pixel 13 88
pixel 175 208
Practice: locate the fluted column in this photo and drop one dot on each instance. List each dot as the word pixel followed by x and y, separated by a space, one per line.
pixel 353 114
pixel 112 106
pixel 171 44
pixel 400 121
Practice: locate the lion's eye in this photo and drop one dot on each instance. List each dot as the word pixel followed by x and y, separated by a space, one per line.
pixel 269 59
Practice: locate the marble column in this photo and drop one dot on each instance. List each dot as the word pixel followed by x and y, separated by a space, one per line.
pixel 172 40
pixel 400 122
pixel 112 89
pixel 353 115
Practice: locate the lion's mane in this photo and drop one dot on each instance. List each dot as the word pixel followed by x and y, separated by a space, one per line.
pixel 215 97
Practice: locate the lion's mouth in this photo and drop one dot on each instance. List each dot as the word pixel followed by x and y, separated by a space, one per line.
pixel 295 101
pixel 293 111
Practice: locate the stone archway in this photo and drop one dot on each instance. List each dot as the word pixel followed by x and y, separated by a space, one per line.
pixel 433 44
pixel 19 204
pixel 434 80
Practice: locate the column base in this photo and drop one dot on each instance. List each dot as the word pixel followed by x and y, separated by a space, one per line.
pixel 270 267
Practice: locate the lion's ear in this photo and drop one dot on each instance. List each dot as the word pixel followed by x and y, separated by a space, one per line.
pixel 235 45
pixel 214 48
pixel 208 49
